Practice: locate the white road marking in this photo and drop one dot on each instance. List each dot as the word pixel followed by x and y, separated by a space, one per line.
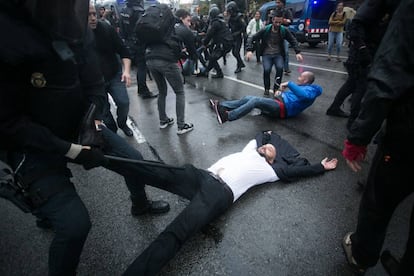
pixel 139 138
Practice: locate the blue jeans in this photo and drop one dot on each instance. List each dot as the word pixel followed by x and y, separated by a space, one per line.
pixel 63 207
pixel 286 60
pixel 335 36
pixel 188 67
pixel 268 62
pixel 239 108
pixel 118 91
pixel 163 71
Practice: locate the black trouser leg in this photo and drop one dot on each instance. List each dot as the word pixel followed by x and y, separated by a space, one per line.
pixel 210 200
pixel 387 186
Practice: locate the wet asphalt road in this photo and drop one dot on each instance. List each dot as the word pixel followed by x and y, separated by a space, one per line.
pixel 274 229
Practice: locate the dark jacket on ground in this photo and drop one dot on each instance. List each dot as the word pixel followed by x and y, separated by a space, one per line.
pixel 108 45
pixel 263 36
pixel 43 98
pixel 288 164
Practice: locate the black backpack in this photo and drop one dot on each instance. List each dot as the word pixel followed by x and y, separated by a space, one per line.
pixel 156 24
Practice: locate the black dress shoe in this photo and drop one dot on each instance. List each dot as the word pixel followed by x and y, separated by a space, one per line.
pixel 390 263
pixel 128 132
pixel 337 113
pixel 44 224
pixel 152 207
pixel 147 95
pixel 242 65
pixel 238 70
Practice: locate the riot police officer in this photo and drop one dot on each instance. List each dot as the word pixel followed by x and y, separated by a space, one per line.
pixel 221 42
pixel 129 17
pixel 50 77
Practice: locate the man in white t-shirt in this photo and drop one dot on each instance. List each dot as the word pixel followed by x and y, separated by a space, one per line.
pixel 268 158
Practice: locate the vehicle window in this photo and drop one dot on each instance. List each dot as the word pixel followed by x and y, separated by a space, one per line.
pixel 322 9
pixel 297 8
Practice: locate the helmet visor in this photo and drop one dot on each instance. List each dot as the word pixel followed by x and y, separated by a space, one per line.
pixel 62 19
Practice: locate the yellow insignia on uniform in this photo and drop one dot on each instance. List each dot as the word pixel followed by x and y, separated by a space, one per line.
pixel 38 80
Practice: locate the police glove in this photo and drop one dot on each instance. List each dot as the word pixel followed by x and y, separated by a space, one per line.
pixel 364 56
pixel 87 157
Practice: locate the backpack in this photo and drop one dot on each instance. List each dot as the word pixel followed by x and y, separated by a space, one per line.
pixel 156 24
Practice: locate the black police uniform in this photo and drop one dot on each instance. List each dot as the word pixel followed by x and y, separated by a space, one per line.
pixel 388 102
pixel 48 81
pixel 129 16
pixel 221 42
pixel 237 26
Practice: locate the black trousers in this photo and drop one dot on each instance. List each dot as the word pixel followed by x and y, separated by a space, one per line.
pixel 208 199
pixel 389 183
pixel 236 50
pixel 355 85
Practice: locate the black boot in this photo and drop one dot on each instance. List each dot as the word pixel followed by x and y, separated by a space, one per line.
pixel 218 75
pixel 139 208
pixel 144 92
pixel 44 224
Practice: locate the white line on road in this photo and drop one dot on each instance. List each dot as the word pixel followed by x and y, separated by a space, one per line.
pixel 290 63
pixel 130 123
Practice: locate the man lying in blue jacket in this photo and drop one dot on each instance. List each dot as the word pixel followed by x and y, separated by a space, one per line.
pixel 266 159
pixel 291 100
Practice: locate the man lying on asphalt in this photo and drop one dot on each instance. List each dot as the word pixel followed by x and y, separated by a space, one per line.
pixel 268 158
pixel 291 100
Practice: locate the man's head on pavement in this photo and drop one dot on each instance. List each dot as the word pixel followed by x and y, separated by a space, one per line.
pixel 268 151
pixel 92 19
pixel 306 77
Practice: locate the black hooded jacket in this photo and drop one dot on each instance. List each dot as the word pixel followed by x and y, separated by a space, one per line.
pixel 288 164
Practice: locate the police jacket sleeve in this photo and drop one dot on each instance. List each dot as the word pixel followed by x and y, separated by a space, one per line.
pixel 18 132
pixel 390 81
pixel 214 28
pixel 92 80
pixel 367 17
pixel 189 40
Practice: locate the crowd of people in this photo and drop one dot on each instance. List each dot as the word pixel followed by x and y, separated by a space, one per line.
pixel 76 58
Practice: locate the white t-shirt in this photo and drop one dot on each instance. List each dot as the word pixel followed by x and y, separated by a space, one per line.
pixel 243 170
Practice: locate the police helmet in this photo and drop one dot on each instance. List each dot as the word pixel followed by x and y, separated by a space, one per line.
pixel 214 12
pixel 231 8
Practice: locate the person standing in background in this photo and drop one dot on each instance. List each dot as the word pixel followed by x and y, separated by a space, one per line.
pixel 117 76
pixel 336 30
pixel 287 20
pixel 272 51
pixel 255 25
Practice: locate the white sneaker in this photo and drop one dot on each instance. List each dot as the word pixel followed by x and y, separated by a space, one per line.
pixel 186 128
pixel 166 123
